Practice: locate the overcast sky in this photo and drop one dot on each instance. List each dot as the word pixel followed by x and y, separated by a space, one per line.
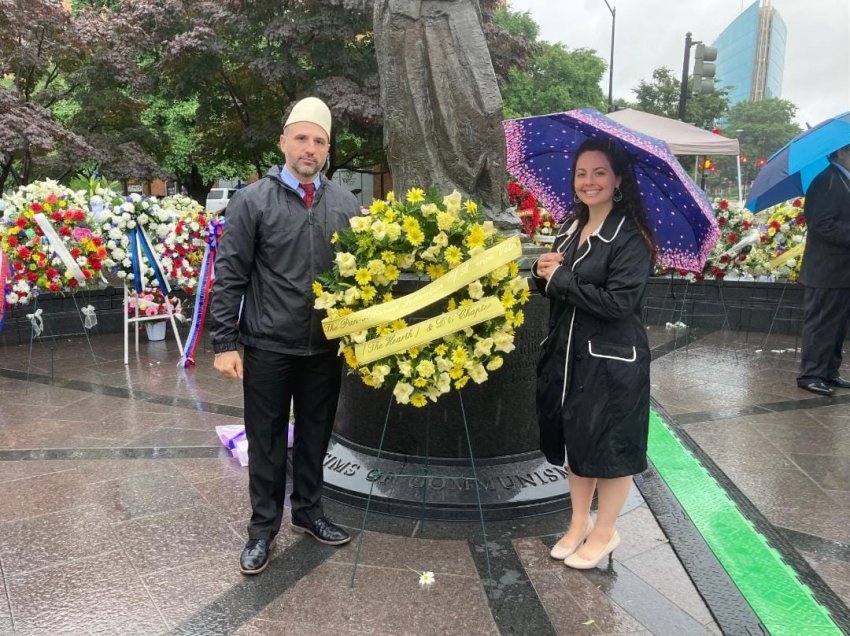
pixel 651 33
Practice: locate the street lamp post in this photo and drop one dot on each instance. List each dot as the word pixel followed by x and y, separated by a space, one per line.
pixel 613 11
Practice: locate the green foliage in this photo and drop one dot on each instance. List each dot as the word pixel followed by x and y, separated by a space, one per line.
pixel 764 126
pixel 518 23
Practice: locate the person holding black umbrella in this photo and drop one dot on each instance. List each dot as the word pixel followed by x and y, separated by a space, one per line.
pixel 593 373
pixel 825 274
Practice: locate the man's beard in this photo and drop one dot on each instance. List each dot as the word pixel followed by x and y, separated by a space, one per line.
pixel 311 173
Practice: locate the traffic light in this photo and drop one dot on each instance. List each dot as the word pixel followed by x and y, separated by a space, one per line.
pixel 706 164
pixel 704 69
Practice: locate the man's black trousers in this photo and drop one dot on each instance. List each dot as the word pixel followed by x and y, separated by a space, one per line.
pixel 271 381
pixel 826 313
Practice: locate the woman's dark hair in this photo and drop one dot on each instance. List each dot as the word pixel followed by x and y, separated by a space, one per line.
pixel 631 205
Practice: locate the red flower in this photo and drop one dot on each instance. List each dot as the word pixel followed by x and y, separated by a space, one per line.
pixel 65 230
pixel 73 282
pixel 95 264
pixel 724 258
pixel 75 252
pixel 36 207
pixel 52 198
pixel 801 220
pixel 87 273
pixel 56 217
pixel 699 277
pixel 746 224
pixel 32 277
pixel 742 256
pixel 732 238
pixel 764 238
pixel 13 241
pixel 21 222
pixel 97 241
pixel 79 215
pixel 775 224
pixel 54 287
pixel 721 220
pixel 24 253
pixel 723 204
pixel 797 203
pixel 52 272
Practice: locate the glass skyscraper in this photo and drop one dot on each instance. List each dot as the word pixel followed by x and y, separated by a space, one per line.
pixel 751 54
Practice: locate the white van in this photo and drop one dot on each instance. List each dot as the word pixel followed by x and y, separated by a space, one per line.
pixel 218 197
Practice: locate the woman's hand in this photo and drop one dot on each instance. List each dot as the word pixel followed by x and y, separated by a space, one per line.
pixel 547 263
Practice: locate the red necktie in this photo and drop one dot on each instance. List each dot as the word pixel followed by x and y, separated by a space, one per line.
pixel 309 190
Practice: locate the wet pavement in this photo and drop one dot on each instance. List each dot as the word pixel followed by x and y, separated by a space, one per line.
pixel 121 514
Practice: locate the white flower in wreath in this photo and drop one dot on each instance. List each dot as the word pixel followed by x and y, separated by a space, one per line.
pixel 442 239
pixel 443 364
pixel 452 202
pixel 379 230
pixel 360 336
pixel 791 263
pixel 475 290
pixel 405 261
pixel 405 367
pixel 126 208
pixel 444 383
pixel 361 223
pixel 135 197
pixel 483 347
pixel 347 263
pixel 478 373
pixel 11 298
pixel 495 363
pixel 429 209
pixel 425 369
pixel 402 392
pixel 503 341
pixel 393 231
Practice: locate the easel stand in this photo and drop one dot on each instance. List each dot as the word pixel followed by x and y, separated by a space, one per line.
pixel 47 332
pixel 136 319
pixel 426 476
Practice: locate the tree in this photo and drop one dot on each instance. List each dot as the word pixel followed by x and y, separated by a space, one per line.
pixel 554 78
pixel 762 127
pixel 661 97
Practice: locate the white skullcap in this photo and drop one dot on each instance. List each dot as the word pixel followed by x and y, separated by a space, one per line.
pixel 313 110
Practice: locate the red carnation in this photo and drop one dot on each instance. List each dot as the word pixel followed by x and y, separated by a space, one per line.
pixel 13 241
pixel 732 238
pixel 764 238
pixel 742 256
pixel 32 277
pixel 87 274
pixel 724 258
pixel 72 282
pixel 747 224
pixel 21 222
pixel 56 217
pixel 797 203
pixel 54 287
pixel 775 224
pixel 52 272
pixel 97 241
pixel 24 253
pixel 65 230
pixel 723 204
pixel 36 207
pixel 52 198
pixel 79 215
pixel 801 220
pixel 69 215
pixel 94 263
pixel 721 220
pixel 75 252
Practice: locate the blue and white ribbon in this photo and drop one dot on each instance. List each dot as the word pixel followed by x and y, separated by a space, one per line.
pixel 140 246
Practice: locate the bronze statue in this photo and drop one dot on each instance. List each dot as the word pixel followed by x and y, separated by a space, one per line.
pixel 441 103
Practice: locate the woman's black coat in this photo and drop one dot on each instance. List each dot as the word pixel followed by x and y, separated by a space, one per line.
pixel 593 370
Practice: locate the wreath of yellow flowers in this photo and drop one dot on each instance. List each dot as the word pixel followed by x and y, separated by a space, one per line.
pixel 424 236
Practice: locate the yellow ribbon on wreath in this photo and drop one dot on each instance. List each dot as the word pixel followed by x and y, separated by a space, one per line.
pixel 461 276
pixel 783 258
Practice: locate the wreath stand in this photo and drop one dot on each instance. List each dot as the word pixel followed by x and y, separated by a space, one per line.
pixel 427 476
pixel 40 327
pixel 136 319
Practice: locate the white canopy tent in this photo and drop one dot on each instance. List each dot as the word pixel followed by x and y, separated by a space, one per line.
pixel 683 139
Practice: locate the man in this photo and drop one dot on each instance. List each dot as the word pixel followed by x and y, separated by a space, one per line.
pixel 276 241
pixel 826 276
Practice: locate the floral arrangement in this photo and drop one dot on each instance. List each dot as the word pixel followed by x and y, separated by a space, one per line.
pixel 424 235
pixel 536 221
pixel 737 237
pixel 783 230
pixel 150 302
pixel 181 251
pixel 36 265
pixel 121 216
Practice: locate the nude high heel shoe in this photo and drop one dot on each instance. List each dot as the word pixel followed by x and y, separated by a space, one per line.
pixel 576 562
pixel 561 552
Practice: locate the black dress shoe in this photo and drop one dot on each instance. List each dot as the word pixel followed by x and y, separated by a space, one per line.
pixel 816 387
pixel 840 382
pixel 255 556
pixel 323 530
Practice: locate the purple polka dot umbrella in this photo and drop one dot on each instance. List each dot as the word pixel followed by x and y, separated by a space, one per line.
pixel 541 151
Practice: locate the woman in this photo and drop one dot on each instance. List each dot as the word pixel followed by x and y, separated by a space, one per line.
pixel 593 372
